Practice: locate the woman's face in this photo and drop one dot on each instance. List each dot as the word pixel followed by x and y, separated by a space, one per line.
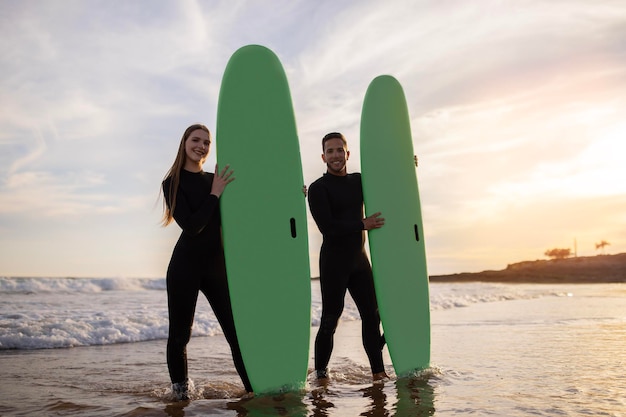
pixel 197 147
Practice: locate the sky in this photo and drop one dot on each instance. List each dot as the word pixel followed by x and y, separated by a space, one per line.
pixel 518 118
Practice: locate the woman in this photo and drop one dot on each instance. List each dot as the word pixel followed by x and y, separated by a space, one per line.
pixel 191 198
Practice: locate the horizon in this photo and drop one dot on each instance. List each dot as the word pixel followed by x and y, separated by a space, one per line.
pixel 518 114
pixel 317 276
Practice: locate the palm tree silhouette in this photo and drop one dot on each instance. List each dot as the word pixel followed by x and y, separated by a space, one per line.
pixel 601 245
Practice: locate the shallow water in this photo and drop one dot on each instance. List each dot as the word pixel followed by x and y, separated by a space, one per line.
pixel 513 350
pixel 547 357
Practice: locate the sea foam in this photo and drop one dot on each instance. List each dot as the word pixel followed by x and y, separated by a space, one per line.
pixel 41 313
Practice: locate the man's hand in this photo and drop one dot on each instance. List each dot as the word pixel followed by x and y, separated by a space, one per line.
pixel 373 221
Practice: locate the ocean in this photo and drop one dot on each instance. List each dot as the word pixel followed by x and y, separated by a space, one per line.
pixel 96 347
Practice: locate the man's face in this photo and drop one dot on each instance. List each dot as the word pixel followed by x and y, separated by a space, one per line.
pixel 335 155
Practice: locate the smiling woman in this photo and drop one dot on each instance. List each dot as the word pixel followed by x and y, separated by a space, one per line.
pixel 191 197
pixel 197 149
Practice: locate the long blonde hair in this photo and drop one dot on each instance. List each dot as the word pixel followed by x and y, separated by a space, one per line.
pixel 174 174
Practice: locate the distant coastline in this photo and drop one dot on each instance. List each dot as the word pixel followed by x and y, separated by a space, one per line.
pixel 581 270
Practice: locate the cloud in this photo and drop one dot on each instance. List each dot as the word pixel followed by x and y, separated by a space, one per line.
pixel 512 105
pixel 42 194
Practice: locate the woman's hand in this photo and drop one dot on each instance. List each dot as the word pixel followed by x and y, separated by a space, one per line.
pixel 221 180
pixel 373 222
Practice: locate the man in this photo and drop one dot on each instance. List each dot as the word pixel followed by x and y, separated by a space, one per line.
pixel 336 202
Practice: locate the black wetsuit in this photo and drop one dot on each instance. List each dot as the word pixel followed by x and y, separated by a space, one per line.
pixel 197 264
pixel 336 204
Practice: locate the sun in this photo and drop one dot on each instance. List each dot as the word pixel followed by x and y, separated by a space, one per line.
pixel 602 169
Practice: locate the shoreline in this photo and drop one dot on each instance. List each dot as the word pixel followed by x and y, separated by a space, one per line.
pixel 495 344
pixel 600 269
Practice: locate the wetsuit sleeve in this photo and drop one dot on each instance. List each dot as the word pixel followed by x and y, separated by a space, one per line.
pixel 192 222
pixel 330 225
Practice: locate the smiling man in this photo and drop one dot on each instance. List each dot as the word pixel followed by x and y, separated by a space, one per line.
pixel 336 202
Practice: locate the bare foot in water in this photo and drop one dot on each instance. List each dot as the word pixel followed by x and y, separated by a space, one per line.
pixel 380 376
pixel 322 382
pixel 322 377
pixel 247 395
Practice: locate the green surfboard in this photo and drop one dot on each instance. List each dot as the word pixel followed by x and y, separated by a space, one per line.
pixel 264 220
pixel 397 249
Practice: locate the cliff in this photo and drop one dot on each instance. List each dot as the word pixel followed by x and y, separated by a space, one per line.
pixel 586 269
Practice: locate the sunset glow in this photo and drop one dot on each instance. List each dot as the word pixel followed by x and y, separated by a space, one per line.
pixel 518 116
